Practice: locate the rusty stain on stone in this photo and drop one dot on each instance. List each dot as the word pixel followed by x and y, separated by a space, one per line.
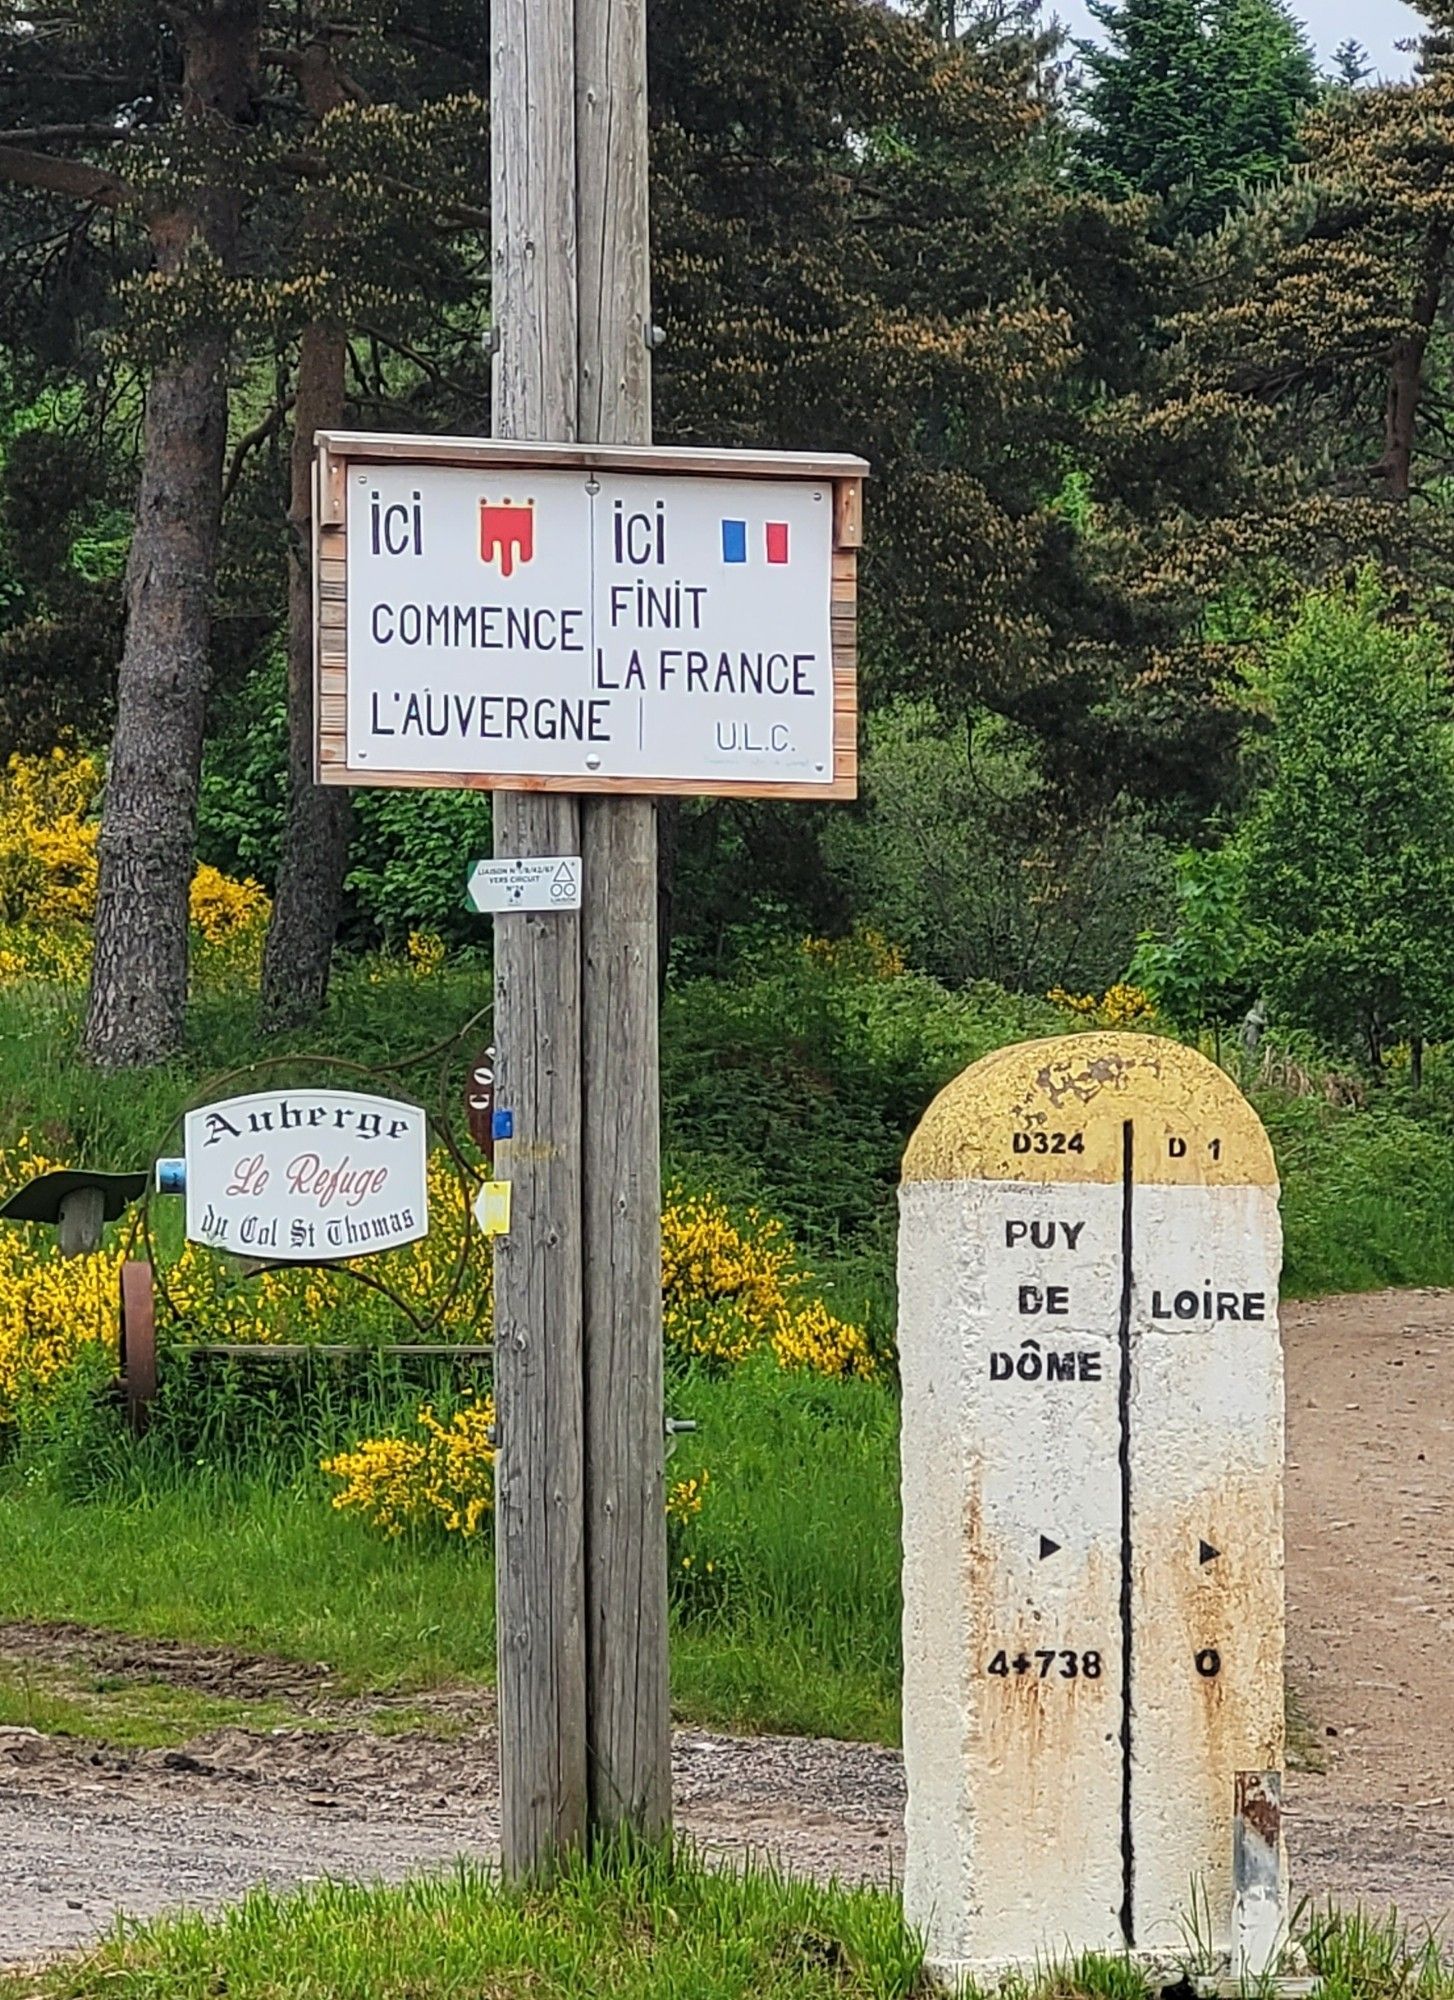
pixel 1256 1805
pixel 1075 1808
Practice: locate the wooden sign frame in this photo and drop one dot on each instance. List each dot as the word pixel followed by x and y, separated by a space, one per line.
pixel 338 451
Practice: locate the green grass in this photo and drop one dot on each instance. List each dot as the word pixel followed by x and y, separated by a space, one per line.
pixel 131 1714
pixel 253 1564
pixel 1367 1196
pixel 630 1926
pixel 787 1618
pixel 795 1627
pixel 140 1712
pixel 651 1928
pixel 1357 1956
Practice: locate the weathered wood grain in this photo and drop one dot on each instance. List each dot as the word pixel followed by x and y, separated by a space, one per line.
pixel 539 1517
pixel 604 457
pixel 628 1696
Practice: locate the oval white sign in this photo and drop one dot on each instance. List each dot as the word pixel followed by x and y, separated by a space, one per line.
pixel 304 1176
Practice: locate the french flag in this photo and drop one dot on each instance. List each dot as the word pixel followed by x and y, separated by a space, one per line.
pixel 734 541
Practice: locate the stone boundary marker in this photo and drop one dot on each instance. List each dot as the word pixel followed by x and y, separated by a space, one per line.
pixel 1089 1253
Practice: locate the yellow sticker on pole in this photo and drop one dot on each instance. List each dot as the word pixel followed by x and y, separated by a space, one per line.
pixel 492 1208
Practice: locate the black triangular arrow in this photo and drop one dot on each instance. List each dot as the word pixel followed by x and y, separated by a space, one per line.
pixel 1206 1553
pixel 1048 1548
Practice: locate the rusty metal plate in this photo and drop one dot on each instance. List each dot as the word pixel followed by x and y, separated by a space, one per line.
pixel 138 1342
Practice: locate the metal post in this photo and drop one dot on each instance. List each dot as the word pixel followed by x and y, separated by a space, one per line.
pixel 1257 1897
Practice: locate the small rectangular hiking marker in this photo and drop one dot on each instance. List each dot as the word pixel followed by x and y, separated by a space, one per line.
pixel 492 1208
pixel 543 882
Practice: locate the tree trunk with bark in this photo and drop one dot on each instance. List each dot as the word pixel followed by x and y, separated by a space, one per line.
pixel 148 825
pixel 1406 371
pixel 299 954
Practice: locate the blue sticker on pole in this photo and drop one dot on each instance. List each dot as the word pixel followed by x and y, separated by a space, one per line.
pixel 502 1125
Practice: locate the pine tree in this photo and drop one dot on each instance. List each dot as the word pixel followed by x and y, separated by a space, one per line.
pixel 1192 101
pixel 413 158
pixel 182 187
pixel 1297 424
pixel 1351 67
pixel 250 226
pixel 862 239
pixel 1322 335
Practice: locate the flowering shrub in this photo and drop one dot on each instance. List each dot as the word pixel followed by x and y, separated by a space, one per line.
pixel 60 956
pixel 55 1310
pixel 222 907
pixel 684 1499
pixel 446 1478
pixel 733 1288
pixel 729 1290
pixel 48 872
pixel 52 1310
pixel 427 951
pixel 867 954
pixel 48 838
pixel 691 1572
pixel 1120 1006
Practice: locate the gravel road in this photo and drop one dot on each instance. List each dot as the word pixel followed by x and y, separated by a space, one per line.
pixel 87 1833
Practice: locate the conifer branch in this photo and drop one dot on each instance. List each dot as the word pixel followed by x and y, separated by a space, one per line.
pixel 251 440
pixel 35 135
pixel 23 168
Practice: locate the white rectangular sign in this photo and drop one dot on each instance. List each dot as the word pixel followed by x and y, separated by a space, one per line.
pixel 306 1176
pixel 539 882
pixel 556 623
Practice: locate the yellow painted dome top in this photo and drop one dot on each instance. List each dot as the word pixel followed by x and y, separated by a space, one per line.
pixel 1080 1107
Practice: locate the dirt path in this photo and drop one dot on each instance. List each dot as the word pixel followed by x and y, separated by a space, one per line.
pixel 85 1833
pixel 1370 1567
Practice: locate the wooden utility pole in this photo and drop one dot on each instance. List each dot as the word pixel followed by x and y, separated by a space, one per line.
pixel 628 1712
pixel 539 1384
pixel 580 1527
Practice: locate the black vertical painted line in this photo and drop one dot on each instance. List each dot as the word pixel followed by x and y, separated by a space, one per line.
pixel 1128 1848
